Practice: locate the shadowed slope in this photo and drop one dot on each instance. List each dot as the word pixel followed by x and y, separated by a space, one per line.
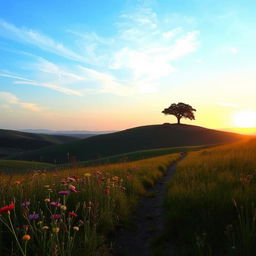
pixel 139 138
pixel 14 141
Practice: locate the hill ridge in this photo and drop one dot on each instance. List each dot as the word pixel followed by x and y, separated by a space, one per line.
pixel 129 140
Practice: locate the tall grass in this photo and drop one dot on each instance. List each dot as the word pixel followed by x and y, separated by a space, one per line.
pixel 71 212
pixel 211 201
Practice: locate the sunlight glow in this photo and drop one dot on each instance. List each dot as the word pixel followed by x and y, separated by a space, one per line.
pixel 245 119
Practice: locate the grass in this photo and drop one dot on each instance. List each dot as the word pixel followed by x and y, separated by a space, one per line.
pixel 210 204
pixel 137 155
pixel 15 166
pixel 72 211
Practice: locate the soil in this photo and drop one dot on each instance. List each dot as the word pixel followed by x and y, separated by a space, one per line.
pixel 148 221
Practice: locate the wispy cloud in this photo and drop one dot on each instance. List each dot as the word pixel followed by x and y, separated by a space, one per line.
pixel 233 50
pixel 50 86
pixel 8 100
pixel 134 60
pixel 32 37
pixel 25 81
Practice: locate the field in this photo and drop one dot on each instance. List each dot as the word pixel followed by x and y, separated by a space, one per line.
pixel 210 204
pixel 72 212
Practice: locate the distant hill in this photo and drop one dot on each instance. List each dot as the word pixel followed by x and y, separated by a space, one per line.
pixel 75 133
pixel 12 142
pixel 139 138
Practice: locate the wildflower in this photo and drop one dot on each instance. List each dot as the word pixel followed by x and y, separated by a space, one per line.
pixel 47 186
pixel 26 237
pixel 55 230
pixel 71 187
pixel 25 204
pixel 73 214
pixel 39 222
pixel 55 204
pixel 56 216
pixel 87 174
pixel 115 178
pixel 7 208
pixel 47 200
pixel 73 190
pixel 45 227
pixel 71 179
pixel 98 172
pixel 63 192
pixel 75 178
pixel 76 228
pixel 33 216
pixel 63 207
pixel 17 182
pixel 107 191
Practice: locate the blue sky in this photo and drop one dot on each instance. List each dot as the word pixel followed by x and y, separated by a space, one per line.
pixel 109 65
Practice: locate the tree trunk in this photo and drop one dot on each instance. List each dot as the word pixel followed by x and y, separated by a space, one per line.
pixel 178 119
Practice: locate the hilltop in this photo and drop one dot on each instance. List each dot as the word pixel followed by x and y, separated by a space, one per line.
pixel 12 141
pixel 139 138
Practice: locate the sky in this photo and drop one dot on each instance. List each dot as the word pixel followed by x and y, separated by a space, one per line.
pixel 116 64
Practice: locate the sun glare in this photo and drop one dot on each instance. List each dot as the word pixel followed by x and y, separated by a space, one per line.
pixel 245 119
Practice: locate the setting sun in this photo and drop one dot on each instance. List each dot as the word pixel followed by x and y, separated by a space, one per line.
pixel 245 119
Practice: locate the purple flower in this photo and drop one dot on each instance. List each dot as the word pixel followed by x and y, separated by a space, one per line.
pixel 56 216
pixel 25 204
pixel 64 192
pixel 55 204
pixel 33 216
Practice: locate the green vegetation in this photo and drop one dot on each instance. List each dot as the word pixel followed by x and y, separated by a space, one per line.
pixel 71 212
pixel 211 199
pixel 140 138
pixel 14 166
pixel 19 167
pixel 138 155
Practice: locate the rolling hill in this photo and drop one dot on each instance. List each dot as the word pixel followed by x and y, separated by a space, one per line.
pixel 13 142
pixel 134 139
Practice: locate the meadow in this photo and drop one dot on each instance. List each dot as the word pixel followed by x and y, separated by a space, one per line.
pixel 210 204
pixel 72 211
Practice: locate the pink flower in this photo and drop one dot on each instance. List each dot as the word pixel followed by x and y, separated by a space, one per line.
pixel 55 204
pixel 64 192
pixel 56 216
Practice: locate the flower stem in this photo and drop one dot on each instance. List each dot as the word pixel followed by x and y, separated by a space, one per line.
pixel 15 236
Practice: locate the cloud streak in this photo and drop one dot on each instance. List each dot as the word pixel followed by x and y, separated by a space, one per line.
pixel 32 37
pixel 24 81
pixel 10 99
pixel 135 60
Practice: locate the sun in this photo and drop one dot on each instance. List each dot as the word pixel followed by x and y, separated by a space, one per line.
pixel 245 119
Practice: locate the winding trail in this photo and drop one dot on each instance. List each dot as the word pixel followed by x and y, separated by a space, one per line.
pixel 148 220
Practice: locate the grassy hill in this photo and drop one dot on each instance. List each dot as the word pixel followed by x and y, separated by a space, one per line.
pixel 139 138
pixel 19 167
pixel 12 142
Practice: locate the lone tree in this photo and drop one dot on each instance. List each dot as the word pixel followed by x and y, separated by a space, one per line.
pixel 180 110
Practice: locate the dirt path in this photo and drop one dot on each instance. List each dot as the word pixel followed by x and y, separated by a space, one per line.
pixel 148 221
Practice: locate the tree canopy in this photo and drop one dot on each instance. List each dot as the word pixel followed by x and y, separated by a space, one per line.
pixel 180 110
